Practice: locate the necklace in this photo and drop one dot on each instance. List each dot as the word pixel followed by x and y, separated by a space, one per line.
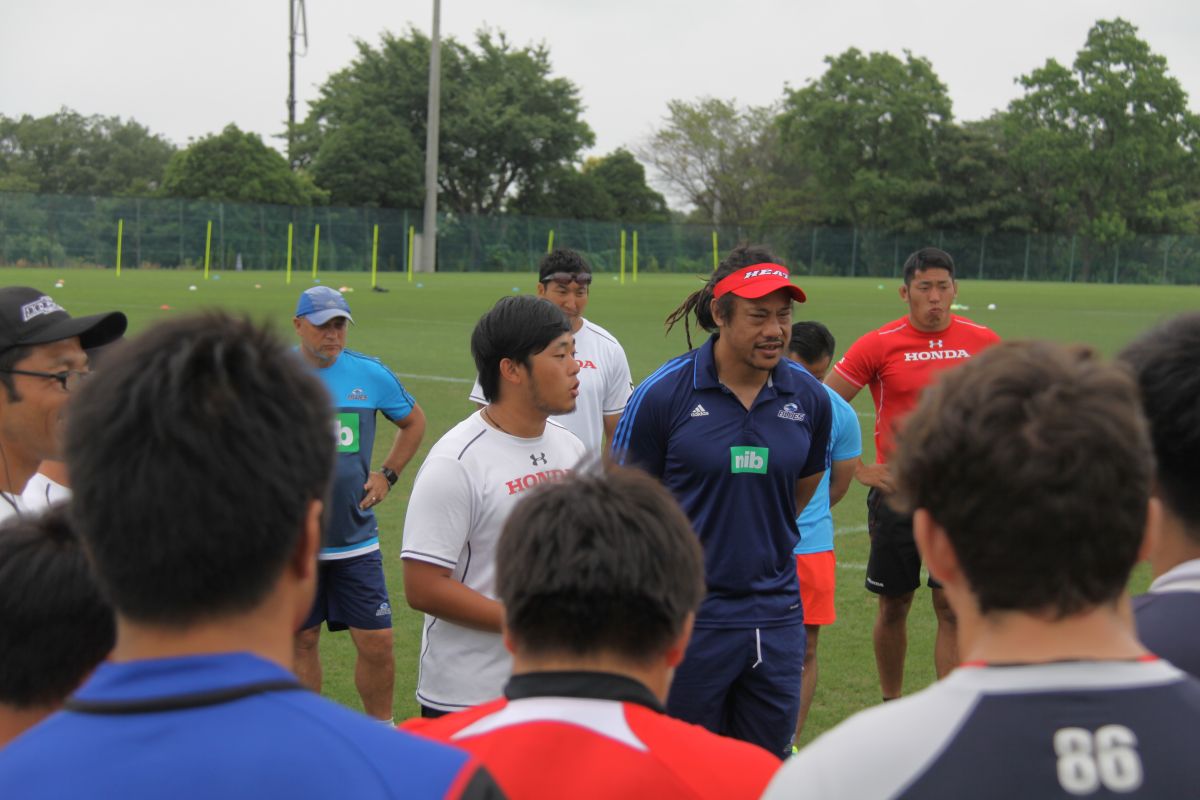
pixel 492 421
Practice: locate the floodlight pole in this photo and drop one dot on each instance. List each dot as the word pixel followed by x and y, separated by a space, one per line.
pixel 429 228
pixel 293 6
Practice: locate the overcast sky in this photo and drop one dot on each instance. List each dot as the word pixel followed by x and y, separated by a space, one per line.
pixel 185 69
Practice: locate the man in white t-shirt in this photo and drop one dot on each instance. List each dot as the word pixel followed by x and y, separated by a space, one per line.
pixel 564 278
pixel 42 360
pixel 468 485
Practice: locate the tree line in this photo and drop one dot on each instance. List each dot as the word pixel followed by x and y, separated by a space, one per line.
pixel 1105 147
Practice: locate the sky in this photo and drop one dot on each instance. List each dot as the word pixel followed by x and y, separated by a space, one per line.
pixel 186 69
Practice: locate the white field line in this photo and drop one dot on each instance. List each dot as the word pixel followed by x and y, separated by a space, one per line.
pixel 850 565
pixel 851 529
pixel 442 378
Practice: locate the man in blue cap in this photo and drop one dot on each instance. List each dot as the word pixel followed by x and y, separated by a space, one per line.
pixel 351 591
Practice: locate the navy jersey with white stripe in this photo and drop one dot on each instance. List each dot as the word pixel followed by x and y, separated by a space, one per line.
pixel 1091 729
pixel 734 472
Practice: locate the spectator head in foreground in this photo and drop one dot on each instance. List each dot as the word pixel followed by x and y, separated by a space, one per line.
pixel 1028 471
pixel 1166 363
pixel 57 627
pixel 1051 465
pixel 600 575
pixel 200 459
pixel 600 569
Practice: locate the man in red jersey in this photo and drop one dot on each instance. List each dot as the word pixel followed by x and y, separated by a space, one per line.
pixel 600 576
pixel 897 362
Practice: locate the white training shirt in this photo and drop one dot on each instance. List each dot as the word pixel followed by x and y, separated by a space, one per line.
pixel 11 506
pixel 42 492
pixel 604 385
pixel 463 493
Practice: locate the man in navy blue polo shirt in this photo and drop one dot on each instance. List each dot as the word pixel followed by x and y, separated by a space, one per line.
pixel 738 433
pixel 1166 362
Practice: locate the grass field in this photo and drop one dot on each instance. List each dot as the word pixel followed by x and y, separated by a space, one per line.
pixel 421 330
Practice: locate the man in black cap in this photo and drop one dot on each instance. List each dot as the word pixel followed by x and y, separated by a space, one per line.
pixel 42 360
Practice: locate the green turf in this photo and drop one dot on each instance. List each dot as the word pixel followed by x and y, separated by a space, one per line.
pixel 421 330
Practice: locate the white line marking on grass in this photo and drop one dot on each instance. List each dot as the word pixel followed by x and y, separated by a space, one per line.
pixel 852 566
pixel 851 529
pixel 442 378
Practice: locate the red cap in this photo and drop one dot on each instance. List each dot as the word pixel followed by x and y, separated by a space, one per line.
pixel 758 280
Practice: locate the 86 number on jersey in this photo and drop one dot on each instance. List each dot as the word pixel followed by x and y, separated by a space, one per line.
pixel 1087 760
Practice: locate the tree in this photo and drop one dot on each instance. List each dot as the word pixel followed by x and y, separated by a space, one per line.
pixel 715 156
pixel 976 190
pixel 67 153
pixel 236 166
pixel 867 132
pixel 506 122
pixel 623 178
pixel 612 187
pixel 1108 147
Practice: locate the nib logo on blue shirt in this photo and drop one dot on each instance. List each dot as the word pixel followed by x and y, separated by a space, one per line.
pixel 748 459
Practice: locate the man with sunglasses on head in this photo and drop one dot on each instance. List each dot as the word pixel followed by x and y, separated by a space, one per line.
pixel 42 360
pixel 565 279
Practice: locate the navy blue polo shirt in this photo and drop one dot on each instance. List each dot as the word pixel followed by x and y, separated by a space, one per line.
pixel 734 472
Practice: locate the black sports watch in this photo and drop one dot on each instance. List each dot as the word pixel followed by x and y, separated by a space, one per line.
pixel 391 476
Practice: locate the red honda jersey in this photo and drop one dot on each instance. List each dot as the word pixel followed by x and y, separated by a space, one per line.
pixel 593 744
pixel 898 361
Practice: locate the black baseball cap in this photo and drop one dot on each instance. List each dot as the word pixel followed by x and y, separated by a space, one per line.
pixel 29 316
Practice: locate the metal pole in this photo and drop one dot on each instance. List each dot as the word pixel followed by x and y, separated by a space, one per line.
pixel 291 99
pixel 429 229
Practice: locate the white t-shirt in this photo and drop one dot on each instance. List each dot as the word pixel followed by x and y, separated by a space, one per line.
pixel 42 492
pixel 604 385
pixel 463 493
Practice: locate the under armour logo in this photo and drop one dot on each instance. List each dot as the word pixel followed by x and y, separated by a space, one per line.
pixel 935 342
pixel 537 458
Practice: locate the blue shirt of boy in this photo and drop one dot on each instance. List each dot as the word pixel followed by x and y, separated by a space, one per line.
pixel 845 441
pixel 734 473
pixel 359 385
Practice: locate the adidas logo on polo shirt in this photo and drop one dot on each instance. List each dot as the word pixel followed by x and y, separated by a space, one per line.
pixel 699 411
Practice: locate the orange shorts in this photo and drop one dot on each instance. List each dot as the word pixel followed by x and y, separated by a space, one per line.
pixel 818 579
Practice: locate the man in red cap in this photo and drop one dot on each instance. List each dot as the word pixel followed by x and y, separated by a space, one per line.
pixel 42 360
pixel 738 433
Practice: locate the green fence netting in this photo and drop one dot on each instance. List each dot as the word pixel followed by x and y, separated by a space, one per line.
pixel 59 230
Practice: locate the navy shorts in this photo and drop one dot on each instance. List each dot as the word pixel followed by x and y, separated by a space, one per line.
pixel 351 593
pixel 894 566
pixel 742 682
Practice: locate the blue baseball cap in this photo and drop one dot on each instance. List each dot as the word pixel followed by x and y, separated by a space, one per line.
pixel 321 304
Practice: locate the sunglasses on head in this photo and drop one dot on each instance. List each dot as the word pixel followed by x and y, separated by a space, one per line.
pixel 567 278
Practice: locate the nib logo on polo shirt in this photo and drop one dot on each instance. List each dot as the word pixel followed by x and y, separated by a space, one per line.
pixel 345 428
pixel 748 459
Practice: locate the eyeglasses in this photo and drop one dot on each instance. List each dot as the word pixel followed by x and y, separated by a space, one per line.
pixel 567 278
pixel 70 379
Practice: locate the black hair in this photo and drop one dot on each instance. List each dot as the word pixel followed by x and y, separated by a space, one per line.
pixel 602 562
pixel 194 456
pixel 9 360
pixel 561 259
pixel 927 258
pixel 57 626
pixel 516 328
pixel 699 302
pixel 812 341
pixel 1035 459
pixel 1166 363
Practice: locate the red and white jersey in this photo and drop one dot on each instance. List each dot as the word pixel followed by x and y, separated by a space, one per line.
pixel 898 361
pixel 604 385
pixel 469 484
pixel 587 735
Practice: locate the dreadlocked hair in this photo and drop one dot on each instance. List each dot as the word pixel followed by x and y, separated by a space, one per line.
pixel 699 302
